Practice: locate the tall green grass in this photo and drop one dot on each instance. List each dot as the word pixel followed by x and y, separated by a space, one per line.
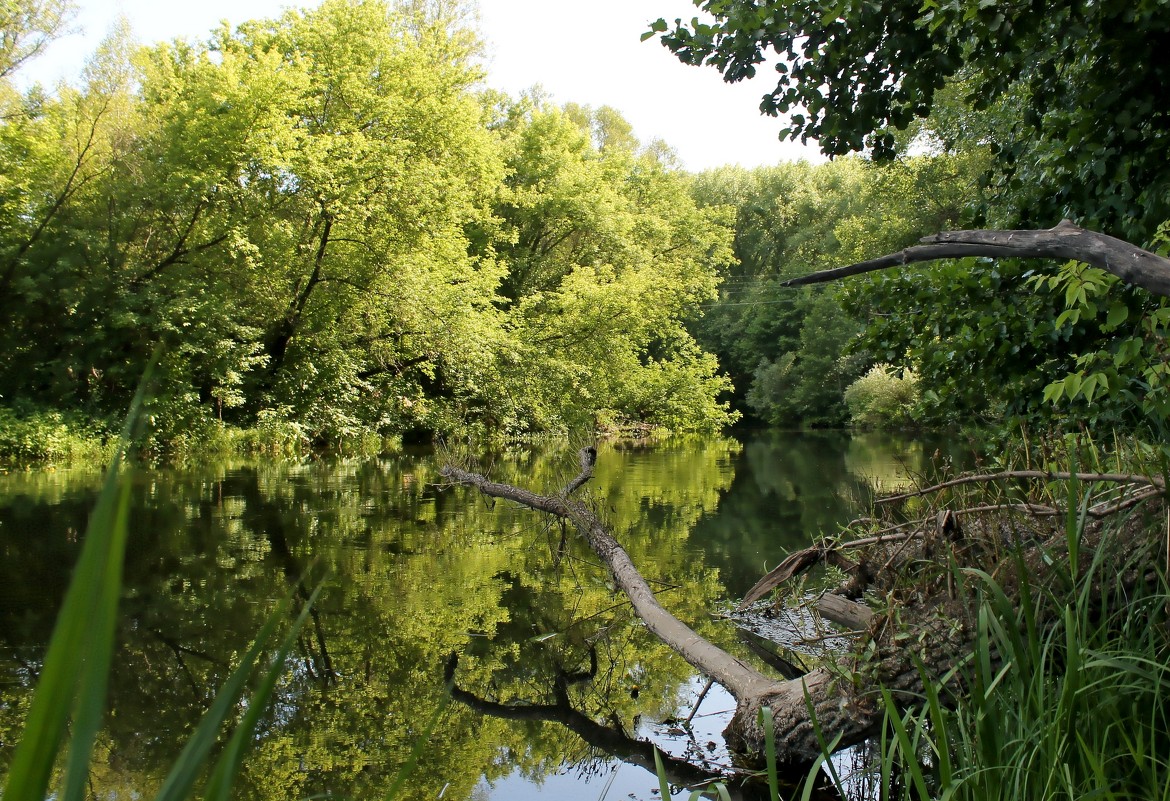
pixel 53 756
pixel 1066 694
pixel 1075 707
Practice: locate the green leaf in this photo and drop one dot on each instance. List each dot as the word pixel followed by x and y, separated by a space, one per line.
pixel 1118 313
pixel 663 784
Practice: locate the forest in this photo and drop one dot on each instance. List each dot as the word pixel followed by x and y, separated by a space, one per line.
pixel 324 234
pixel 343 247
pixel 331 244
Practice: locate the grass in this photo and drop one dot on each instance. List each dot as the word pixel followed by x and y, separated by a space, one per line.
pixel 1065 695
pixel 53 756
pixel 1075 706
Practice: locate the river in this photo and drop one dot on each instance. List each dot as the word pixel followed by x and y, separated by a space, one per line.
pixel 552 674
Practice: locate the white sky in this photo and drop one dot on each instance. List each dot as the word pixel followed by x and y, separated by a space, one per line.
pixel 580 51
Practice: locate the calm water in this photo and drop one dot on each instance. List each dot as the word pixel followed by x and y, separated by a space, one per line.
pixel 553 676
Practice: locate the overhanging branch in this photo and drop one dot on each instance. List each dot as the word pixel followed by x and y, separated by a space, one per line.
pixel 1131 264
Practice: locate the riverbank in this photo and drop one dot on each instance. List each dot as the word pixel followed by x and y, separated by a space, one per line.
pixel 50 438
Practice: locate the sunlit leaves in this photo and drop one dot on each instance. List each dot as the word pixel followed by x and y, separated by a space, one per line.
pixel 320 219
pixel 606 254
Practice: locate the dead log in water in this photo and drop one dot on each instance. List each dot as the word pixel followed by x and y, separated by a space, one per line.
pixel 841 710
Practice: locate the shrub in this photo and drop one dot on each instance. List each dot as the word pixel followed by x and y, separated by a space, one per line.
pixel 882 399
pixel 49 436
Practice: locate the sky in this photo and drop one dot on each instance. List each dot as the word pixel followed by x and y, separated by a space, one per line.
pixel 579 51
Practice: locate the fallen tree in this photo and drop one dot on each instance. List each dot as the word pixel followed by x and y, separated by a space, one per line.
pixel 928 625
pixel 923 634
pixel 837 707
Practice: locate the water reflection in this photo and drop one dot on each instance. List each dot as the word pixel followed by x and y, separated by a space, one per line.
pixel 412 573
pixel 790 486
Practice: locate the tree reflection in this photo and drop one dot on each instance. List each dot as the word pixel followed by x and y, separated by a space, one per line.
pixel 411 574
pixel 606 738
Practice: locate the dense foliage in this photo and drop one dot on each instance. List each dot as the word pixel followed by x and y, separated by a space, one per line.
pixel 336 244
pixel 1061 105
pixel 792 353
pixel 1083 79
pixel 324 221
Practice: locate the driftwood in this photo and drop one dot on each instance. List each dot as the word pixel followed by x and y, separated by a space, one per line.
pixel 844 612
pixel 1131 264
pixel 917 576
pixel 1043 475
pixel 837 705
pixel 1134 490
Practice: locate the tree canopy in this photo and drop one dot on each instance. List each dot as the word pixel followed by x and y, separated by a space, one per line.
pixel 1080 82
pixel 1061 104
pixel 326 220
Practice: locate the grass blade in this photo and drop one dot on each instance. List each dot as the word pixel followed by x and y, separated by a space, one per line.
pixel 663 784
pixel 909 755
pixel 188 767
pixel 769 727
pixel 75 673
pixel 220 786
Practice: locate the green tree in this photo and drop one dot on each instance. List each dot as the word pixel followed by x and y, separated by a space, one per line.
pixel 285 212
pixel 26 29
pixel 324 223
pixel 792 353
pixel 1058 105
pixel 607 254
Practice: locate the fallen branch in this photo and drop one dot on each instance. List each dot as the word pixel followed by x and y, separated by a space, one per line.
pixel 800 561
pixel 837 706
pixel 740 679
pixel 844 612
pixel 1066 241
pixel 1043 475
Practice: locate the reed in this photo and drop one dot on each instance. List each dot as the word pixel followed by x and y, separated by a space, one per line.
pixel 1075 707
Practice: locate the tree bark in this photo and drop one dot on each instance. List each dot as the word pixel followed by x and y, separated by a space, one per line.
pixel 1131 264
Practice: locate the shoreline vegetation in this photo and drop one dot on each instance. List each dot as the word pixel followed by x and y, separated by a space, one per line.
pixel 1008 633
pixel 55 439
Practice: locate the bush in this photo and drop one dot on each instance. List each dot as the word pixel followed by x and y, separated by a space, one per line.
pixel 882 399
pixel 50 436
